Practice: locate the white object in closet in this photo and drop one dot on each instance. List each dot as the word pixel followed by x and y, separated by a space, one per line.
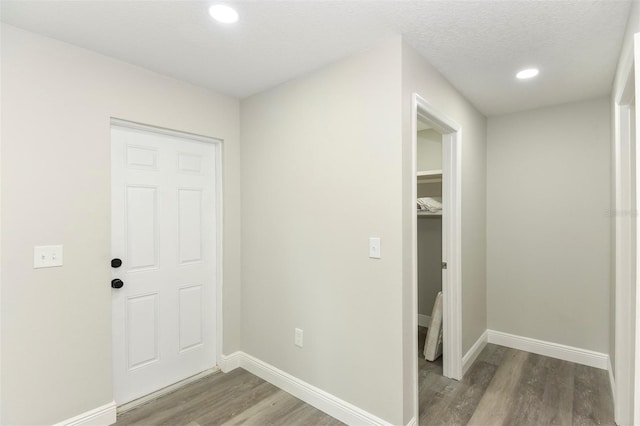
pixel 433 343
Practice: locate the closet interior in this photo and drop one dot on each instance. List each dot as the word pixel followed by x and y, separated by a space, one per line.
pixel 429 240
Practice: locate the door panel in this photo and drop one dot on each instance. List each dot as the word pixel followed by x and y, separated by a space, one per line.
pixel 190 225
pixel 163 229
pixel 190 317
pixel 141 228
pixel 142 330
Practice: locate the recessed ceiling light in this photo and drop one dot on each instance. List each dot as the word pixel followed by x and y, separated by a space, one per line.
pixel 223 13
pixel 528 73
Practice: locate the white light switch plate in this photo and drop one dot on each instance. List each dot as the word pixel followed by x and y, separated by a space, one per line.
pixel 47 256
pixel 374 247
pixel 299 338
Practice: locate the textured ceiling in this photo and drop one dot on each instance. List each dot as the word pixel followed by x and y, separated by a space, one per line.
pixel 477 45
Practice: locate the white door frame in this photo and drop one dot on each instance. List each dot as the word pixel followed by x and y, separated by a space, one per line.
pixel 625 167
pixel 634 214
pixel 217 143
pixel 451 235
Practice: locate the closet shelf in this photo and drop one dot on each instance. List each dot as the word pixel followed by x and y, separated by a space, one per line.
pixel 428 213
pixel 429 176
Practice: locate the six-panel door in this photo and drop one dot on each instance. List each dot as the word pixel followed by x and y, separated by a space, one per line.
pixel 163 228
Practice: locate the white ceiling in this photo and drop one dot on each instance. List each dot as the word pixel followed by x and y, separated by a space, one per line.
pixel 477 45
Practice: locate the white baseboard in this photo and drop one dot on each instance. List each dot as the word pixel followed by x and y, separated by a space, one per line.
pixel 553 350
pixel 474 351
pixel 324 401
pixel 230 362
pixel 424 320
pixel 612 379
pixel 101 416
pixel 412 422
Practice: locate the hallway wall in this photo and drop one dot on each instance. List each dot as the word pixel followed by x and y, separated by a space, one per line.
pixel 548 244
pixel 321 173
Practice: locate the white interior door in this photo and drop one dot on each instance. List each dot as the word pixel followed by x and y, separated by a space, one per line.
pixel 163 229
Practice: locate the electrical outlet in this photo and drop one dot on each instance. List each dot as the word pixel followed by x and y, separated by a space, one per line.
pixel 298 340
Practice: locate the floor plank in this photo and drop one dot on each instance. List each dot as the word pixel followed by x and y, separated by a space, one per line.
pixel 591 403
pixel 557 400
pixel 499 396
pixel 478 378
pixel 526 408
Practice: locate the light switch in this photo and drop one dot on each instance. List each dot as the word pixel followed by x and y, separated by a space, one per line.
pixel 47 256
pixel 298 339
pixel 374 247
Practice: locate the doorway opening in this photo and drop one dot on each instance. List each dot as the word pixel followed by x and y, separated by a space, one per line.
pixel 429 237
pixel 436 190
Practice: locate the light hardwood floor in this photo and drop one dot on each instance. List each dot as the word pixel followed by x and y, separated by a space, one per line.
pixel 503 387
pixel 510 387
pixel 234 398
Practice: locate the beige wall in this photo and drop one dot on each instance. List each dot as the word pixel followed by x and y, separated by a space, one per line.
pixel 321 170
pixel 418 76
pixel 429 262
pixel 548 224
pixel 429 150
pixel 56 323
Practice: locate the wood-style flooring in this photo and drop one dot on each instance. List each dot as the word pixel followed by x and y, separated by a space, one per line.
pixel 234 398
pixel 503 387
pixel 511 387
